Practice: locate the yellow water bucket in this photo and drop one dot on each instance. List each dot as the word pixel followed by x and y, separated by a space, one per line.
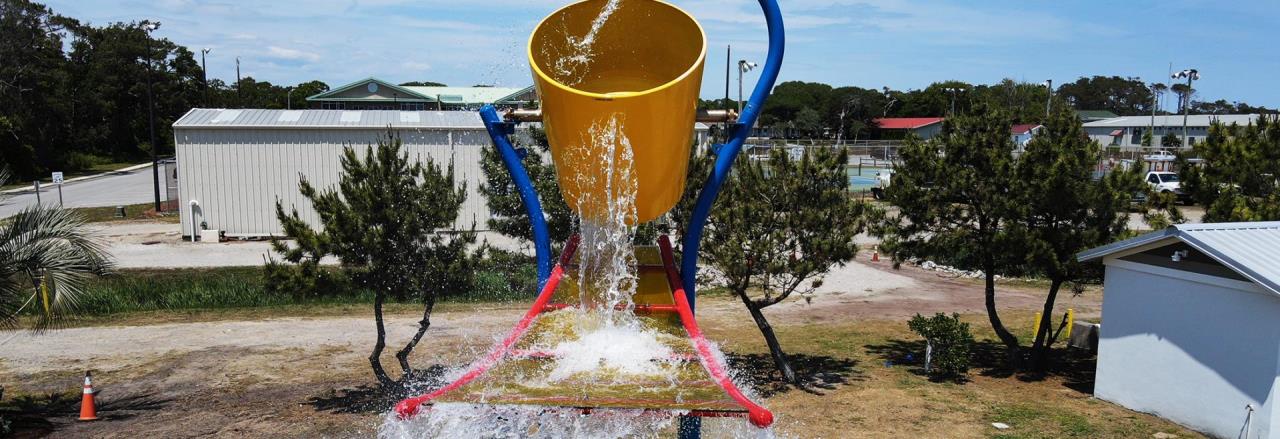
pixel 619 82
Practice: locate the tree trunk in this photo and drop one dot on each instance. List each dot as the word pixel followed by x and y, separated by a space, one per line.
pixel 375 358
pixel 775 349
pixel 1040 349
pixel 1010 342
pixel 403 355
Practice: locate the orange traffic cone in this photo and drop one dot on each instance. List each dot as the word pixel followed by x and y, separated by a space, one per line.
pixel 88 410
pixel 875 255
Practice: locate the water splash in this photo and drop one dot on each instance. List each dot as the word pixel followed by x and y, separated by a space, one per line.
pixel 571 68
pixel 606 271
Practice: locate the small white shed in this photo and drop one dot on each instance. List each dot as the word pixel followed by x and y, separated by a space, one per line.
pixel 1191 326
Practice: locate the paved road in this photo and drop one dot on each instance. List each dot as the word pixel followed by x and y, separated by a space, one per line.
pixel 119 188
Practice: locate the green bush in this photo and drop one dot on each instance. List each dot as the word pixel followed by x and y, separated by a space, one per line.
pixel 951 345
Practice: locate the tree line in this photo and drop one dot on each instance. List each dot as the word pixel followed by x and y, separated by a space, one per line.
pixel 815 110
pixel 73 95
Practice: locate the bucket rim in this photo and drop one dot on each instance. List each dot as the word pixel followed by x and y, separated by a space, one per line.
pixel 694 66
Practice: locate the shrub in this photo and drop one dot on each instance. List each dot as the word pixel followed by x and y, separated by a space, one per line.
pixel 950 343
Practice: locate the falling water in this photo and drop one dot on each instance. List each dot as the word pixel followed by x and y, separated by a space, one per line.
pixel 600 342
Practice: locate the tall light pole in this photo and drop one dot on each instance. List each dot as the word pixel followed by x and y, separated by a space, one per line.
pixel 744 66
pixel 148 27
pixel 953 91
pixel 1048 104
pixel 204 75
pixel 288 104
pixel 1190 75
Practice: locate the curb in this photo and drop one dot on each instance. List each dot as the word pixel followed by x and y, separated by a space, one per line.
pixel 43 185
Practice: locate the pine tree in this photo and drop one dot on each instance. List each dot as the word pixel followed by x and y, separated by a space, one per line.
pixel 508 213
pixel 777 229
pixel 955 204
pixel 384 222
pixel 1062 210
pixel 1239 178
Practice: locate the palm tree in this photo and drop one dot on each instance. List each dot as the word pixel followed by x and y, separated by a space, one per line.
pixel 49 246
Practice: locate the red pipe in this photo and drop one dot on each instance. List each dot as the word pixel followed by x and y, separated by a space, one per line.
pixel 410 406
pixel 759 416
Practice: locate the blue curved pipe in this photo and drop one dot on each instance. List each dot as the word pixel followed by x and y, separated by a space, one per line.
pixel 498 131
pixel 729 151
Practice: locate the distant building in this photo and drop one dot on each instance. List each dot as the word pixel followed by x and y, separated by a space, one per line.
pixel 236 164
pixel 1095 115
pixel 1189 327
pixel 376 94
pixel 1023 133
pixel 1126 132
pixel 898 127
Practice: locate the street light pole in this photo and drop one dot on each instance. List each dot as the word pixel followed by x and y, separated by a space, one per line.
pixel 1191 75
pixel 148 27
pixel 204 75
pixel 288 105
pixel 743 67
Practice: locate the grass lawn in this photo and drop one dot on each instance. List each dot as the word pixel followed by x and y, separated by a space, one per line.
pixel 132 212
pixel 875 387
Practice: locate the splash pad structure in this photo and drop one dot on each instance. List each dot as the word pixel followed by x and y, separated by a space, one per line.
pixel 612 328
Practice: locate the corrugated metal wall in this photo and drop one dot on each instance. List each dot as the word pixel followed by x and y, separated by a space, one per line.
pixel 237 174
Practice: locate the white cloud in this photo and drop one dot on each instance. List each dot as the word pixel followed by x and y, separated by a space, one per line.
pixel 291 54
pixel 415 66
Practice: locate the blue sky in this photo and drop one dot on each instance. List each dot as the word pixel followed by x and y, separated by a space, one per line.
pixel 903 44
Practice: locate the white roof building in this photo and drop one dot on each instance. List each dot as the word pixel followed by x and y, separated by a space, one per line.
pixel 1190 329
pixel 1127 131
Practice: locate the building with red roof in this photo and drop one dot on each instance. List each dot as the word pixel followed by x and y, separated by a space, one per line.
pixel 899 127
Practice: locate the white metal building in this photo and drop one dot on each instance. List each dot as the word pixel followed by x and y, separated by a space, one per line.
pixel 1127 131
pixel 1191 327
pixel 236 163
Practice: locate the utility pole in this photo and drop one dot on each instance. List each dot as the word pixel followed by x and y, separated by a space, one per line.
pixel 148 27
pixel 204 75
pixel 728 61
pixel 239 93
pixel 1155 103
pixel 1048 105
pixel 743 67
pixel 1191 75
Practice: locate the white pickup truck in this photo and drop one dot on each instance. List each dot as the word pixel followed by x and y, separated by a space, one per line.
pixel 1166 183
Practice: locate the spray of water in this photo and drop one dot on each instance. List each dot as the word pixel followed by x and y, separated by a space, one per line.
pixel 572 67
pixel 601 342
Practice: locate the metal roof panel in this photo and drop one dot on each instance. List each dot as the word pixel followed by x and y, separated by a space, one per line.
pixel 1250 248
pixel 328 119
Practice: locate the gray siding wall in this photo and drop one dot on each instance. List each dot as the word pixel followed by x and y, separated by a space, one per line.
pixel 1192 350
pixel 238 174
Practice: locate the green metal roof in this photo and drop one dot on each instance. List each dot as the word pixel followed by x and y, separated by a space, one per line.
pixel 449 95
pixel 466 95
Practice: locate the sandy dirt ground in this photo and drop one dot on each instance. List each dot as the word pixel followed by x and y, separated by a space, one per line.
pixel 294 377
